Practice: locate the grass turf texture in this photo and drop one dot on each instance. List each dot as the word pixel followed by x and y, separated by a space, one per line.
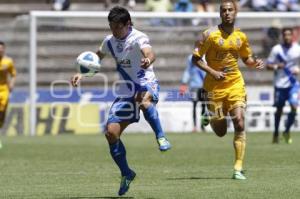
pixel 198 166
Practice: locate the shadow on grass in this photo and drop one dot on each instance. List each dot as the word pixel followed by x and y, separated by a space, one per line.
pixel 200 178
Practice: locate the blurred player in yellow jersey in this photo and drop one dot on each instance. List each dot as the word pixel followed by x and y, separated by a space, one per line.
pixel 7 81
pixel 222 46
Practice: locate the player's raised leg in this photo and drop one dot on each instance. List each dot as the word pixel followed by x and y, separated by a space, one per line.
pixel 118 153
pixel 148 106
pixel 239 141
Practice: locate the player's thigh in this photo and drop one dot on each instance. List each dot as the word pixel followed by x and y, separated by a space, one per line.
pixel 3 100
pixel 114 131
pixel 281 95
pixel 218 120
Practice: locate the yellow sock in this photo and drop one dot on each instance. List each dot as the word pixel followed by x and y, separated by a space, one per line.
pixel 239 147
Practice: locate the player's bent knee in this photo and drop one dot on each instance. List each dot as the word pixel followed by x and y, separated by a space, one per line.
pixel 145 104
pixel 239 125
pixel 220 132
pixel 112 135
pixel 219 127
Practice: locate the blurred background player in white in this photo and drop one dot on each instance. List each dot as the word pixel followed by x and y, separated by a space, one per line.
pixel 7 82
pixel 284 60
pixel 139 89
pixel 192 80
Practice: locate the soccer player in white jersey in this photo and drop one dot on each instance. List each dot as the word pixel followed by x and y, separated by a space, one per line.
pixel 284 60
pixel 139 91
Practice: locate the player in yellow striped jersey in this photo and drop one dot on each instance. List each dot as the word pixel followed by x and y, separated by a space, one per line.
pixel 7 81
pixel 222 46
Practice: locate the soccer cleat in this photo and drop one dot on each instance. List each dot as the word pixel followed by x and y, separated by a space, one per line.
pixel 125 182
pixel 205 119
pixel 164 144
pixel 238 175
pixel 287 138
pixel 275 140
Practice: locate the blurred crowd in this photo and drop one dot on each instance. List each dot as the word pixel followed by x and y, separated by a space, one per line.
pixel 190 5
pixel 208 6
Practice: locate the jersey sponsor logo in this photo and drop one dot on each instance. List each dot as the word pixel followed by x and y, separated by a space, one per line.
pixel 125 63
pixel 221 55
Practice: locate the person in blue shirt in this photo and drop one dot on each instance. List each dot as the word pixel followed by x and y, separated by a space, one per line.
pixel 192 80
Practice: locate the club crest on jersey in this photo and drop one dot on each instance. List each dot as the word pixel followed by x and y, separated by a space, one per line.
pixel 119 47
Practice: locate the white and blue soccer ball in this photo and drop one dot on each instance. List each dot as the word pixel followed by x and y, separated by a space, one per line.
pixel 88 63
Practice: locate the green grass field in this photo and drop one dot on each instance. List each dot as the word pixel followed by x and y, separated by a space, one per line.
pixel 198 166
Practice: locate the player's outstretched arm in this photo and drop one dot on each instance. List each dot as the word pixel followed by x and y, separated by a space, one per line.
pixel 254 62
pixel 76 79
pixel 149 57
pixel 198 61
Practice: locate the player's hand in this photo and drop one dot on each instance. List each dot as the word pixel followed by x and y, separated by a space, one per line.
pixel 145 62
pixel 218 75
pixel 259 64
pixel 76 79
pixel 182 89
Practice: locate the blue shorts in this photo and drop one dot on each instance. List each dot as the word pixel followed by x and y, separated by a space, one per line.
pixel 126 109
pixel 290 94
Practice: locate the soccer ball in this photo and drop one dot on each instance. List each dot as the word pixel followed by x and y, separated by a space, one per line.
pixel 88 63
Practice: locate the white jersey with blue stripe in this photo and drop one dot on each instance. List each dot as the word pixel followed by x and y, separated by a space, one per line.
pixel 290 56
pixel 127 54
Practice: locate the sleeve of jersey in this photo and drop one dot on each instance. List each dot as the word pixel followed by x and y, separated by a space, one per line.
pixel 245 50
pixel 272 57
pixel 103 47
pixel 12 69
pixel 143 42
pixel 202 45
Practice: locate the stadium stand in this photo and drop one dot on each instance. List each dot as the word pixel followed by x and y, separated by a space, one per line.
pixel 60 42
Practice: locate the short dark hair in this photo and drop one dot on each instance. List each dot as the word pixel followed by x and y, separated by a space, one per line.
pixel 286 29
pixel 2 43
pixel 229 1
pixel 119 14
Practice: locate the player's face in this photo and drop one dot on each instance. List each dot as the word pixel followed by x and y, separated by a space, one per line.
pixel 288 37
pixel 119 30
pixel 2 50
pixel 227 13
